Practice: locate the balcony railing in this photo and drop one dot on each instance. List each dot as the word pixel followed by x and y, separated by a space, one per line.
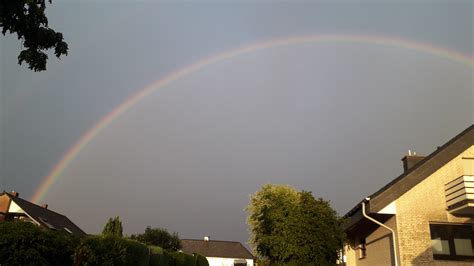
pixel 460 196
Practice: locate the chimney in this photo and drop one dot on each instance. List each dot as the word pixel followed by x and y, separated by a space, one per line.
pixel 15 194
pixel 44 206
pixel 411 160
pixel 206 238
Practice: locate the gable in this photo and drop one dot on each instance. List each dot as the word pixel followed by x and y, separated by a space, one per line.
pixel 422 170
pixel 15 208
pixel 414 176
pixel 429 197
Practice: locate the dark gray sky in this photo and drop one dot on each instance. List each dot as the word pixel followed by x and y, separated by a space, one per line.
pixel 332 118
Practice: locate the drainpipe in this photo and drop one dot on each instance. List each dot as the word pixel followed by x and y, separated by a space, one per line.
pixel 384 226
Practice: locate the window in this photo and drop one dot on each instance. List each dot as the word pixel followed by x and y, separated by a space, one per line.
pixel 362 249
pixel 46 222
pixel 452 241
pixel 240 262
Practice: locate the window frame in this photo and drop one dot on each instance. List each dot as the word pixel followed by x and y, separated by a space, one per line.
pixel 362 249
pixel 450 238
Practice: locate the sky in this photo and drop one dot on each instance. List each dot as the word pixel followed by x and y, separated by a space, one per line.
pixel 334 118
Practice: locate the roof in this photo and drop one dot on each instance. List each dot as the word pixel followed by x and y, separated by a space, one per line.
pixel 415 175
pixel 216 248
pixel 45 217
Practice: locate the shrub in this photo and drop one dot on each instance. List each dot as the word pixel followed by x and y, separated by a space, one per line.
pixel 159 237
pixel 201 260
pixel 111 250
pixel 139 253
pixel 183 259
pixel 161 257
pixel 23 243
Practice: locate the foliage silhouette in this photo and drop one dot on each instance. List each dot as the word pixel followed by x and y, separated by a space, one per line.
pixel 28 20
pixel 23 243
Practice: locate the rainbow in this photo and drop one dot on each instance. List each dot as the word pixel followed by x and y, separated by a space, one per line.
pixel 72 153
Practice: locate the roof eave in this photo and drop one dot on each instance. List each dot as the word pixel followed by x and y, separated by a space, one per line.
pixel 380 198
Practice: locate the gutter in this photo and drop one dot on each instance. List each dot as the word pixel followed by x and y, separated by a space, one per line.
pixel 384 226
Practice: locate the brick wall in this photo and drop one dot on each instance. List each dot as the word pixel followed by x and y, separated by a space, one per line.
pixel 421 205
pixel 4 203
pixel 426 203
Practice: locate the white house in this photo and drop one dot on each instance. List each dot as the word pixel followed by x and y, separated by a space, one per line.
pixel 219 253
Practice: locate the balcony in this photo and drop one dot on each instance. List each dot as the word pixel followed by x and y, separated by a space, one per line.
pixel 460 196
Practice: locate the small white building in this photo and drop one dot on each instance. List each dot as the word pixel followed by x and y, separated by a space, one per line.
pixel 218 252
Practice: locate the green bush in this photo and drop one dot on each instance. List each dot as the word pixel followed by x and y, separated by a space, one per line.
pixel 159 237
pixel 201 260
pixel 111 250
pixel 138 252
pixel 182 259
pixel 156 249
pixel 161 257
pixel 23 243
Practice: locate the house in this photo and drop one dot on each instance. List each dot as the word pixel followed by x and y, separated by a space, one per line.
pixel 12 207
pixel 219 253
pixel 425 216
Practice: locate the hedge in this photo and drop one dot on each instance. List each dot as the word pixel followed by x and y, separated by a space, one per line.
pixel 111 250
pixel 23 243
pixel 161 257
pixel 201 260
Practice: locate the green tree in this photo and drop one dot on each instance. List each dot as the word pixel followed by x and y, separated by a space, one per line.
pixel 268 211
pixel 293 228
pixel 27 19
pixel 113 227
pixel 159 237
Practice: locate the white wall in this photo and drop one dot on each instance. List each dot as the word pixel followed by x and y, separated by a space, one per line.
pixel 15 208
pixel 214 261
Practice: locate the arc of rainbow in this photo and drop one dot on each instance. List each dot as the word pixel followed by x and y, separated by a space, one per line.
pixel 134 99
